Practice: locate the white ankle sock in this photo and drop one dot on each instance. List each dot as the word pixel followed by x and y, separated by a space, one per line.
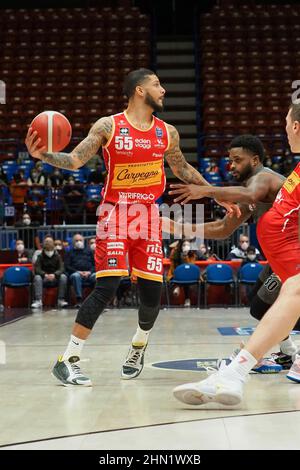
pixel 288 346
pixel 240 366
pixel 141 337
pixel 74 348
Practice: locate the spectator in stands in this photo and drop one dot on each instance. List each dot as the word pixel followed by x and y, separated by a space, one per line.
pixel 49 271
pixel 38 252
pixel 73 199
pixel 92 244
pixel 36 195
pixel 56 179
pixel 24 256
pixel 98 175
pixel 240 252
pixel 27 232
pixel 213 167
pixel 18 190
pixel 40 170
pixel 204 253
pixel 251 255
pixel 80 266
pixel 59 247
pixel 36 178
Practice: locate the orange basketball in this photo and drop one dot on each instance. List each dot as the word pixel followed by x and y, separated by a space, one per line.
pixel 54 130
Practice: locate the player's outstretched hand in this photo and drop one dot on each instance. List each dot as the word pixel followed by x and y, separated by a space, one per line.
pixel 186 192
pixel 232 209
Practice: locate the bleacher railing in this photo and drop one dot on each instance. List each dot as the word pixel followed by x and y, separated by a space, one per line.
pixel 61 232
pixel 8 235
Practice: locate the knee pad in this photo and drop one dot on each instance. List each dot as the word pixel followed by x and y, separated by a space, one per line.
pixel 258 308
pixel 270 289
pixel 95 303
pixel 265 297
pixel 150 293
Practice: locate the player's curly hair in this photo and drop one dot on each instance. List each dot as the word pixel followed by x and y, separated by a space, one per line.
pixel 250 143
pixel 135 78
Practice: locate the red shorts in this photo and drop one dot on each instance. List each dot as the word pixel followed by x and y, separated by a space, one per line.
pixel 124 245
pixel 280 243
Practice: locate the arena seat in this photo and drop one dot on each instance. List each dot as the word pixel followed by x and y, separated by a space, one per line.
pixel 219 275
pixel 187 274
pixel 111 31
pixel 257 75
pixel 17 277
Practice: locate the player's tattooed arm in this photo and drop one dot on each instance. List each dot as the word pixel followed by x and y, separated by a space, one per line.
pixel 99 134
pixel 178 164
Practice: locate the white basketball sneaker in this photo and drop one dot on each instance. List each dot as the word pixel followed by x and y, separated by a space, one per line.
pixel 294 372
pixel 69 372
pixel 216 388
pixel 134 362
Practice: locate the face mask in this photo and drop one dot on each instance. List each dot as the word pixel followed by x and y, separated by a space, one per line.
pixel 58 247
pixel 20 247
pixel 49 253
pixel 186 248
pixel 26 221
pixel 252 257
pixel 244 246
pixel 79 245
pixel 93 246
pixel 34 175
pixel 71 183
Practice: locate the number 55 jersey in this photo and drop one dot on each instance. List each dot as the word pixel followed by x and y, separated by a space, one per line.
pixel 128 229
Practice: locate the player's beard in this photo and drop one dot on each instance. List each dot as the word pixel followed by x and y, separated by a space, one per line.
pixel 245 174
pixel 153 104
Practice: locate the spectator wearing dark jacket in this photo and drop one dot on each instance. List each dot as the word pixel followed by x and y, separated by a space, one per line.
pixel 80 266
pixel 49 271
pixel 240 252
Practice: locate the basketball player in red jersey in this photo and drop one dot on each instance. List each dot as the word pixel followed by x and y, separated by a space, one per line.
pixel 134 146
pixel 278 232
